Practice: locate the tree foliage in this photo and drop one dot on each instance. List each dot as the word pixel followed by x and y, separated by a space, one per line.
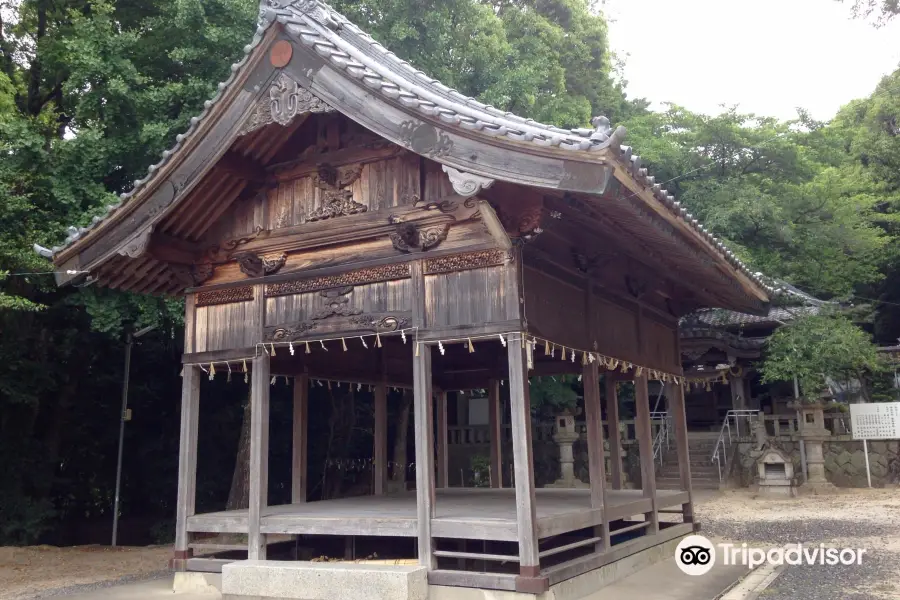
pixel 814 348
pixel 882 10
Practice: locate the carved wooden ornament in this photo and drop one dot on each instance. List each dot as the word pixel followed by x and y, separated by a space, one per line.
pixel 410 238
pixel 286 99
pixel 337 200
pixel 253 265
pixel 337 304
pixel 467 184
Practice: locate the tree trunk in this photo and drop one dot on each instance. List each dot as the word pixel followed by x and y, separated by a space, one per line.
pixel 400 459
pixel 239 496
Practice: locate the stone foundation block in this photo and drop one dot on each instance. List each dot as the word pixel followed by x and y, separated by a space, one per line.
pixel 296 580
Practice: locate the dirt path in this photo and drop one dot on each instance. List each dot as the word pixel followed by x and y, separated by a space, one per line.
pixel 26 572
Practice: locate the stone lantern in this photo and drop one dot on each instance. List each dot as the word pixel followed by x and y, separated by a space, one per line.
pixel 565 435
pixel 814 434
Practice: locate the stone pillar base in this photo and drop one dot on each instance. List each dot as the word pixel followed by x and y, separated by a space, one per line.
pixel 816 488
pixel 568 484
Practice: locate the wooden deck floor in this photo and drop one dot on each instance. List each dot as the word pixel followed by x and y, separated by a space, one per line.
pixel 460 513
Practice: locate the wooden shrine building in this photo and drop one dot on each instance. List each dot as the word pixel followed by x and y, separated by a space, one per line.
pixel 335 214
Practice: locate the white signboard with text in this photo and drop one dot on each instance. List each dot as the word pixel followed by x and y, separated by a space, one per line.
pixel 879 421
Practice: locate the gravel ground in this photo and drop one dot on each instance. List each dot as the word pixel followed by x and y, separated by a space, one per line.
pixel 867 519
pixel 39 571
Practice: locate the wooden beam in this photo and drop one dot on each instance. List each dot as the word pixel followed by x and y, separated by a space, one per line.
pixel 523 464
pixel 170 249
pixel 308 163
pixel 596 468
pixel 259 456
pixel 644 433
pixel 187 458
pixel 424 423
pixel 243 167
pixel 300 454
pixel 443 467
pixel 190 330
pixel 496 424
pixel 380 434
pixel 615 436
pixel 675 393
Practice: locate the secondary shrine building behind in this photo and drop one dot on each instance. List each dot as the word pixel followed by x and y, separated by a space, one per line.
pixel 334 214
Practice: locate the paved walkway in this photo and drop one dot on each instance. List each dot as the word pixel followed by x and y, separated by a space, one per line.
pixel 665 581
pixel 145 590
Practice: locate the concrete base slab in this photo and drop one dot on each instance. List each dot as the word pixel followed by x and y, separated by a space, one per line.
pixel 600 583
pixel 197 583
pixel 301 580
pixel 144 590
pixel 665 581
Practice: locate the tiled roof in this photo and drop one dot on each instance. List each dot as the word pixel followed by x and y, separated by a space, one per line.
pixel 351 50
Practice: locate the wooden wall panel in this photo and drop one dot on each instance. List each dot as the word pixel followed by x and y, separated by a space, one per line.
pixel 616 331
pixel 554 309
pixel 226 326
pixel 381 297
pixel 470 297
pixel 381 185
pixel 437 184
pixel 659 345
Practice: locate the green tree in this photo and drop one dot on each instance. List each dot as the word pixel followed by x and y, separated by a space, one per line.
pixel 814 348
pixel 882 10
pixel 783 194
pixel 544 59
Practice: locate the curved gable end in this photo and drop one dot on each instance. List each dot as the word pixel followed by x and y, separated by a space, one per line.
pixel 307 64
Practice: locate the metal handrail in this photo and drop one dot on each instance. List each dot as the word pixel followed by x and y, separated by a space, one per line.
pixel 722 446
pixel 661 439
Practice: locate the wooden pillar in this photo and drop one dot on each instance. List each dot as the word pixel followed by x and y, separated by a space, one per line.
pixel 443 467
pixel 675 394
pixel 187 459
pixel 300 452
pixel 615 435
pixel 259 456
pixel 596 468
pixel 523 465
pixel 496 425
pixel 380 434
pixel 644 434
pixel 422 411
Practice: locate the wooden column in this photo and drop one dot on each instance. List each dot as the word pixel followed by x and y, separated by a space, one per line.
pixel 300 452
pixel 615 436
pixel 422 411
pixel 496 425
pixel 523 465
pixel 644 434
pixel 596 468
pixel 259 456
pixel 380 454
pixel 675 394
pixel 187 459
pixel 443 467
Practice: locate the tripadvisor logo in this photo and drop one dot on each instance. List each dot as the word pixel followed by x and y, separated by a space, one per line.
pixel 696 555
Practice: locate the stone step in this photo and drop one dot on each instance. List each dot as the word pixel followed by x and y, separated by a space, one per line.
pixel 669 483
